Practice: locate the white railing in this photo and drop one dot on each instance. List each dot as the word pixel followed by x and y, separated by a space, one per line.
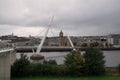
pixel 6 49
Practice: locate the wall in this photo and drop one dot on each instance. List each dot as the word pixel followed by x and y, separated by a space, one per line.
pixel 5 62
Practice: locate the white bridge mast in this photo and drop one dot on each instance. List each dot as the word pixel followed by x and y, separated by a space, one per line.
pixel 44 37
pixel 71 43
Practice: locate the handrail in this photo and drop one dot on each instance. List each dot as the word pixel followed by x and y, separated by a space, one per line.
pixel 6 50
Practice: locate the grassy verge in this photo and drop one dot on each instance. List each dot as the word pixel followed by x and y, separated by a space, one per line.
pixel 68 78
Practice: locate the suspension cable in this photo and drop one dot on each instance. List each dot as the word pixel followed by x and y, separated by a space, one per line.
pixel 51 30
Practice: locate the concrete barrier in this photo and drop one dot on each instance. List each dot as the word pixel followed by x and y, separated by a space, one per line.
pixel 6 59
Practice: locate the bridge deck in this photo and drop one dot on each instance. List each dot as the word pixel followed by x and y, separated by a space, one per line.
pixel 48 49
pixel 44 49
pixel 55 49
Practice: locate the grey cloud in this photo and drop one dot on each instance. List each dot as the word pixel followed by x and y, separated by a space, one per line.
pixel 92 16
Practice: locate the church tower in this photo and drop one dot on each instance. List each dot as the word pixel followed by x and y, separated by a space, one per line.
pixel 61 38
pixel 61 34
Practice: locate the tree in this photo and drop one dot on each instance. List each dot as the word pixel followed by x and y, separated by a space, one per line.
pixel 94 44
pixel 20 67
pixel 84 45
pixel 74 62
pixel 110 45
pixel 94 61
pixel 53 62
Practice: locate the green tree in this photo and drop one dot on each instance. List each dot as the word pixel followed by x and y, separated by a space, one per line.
pixel 94 61
pixel 94 44
pixel 20 67
pixel 110 45
pixel 84 45
pixel 74 62
pixel 50 62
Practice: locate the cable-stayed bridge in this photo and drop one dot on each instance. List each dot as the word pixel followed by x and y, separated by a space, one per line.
pixel 5 58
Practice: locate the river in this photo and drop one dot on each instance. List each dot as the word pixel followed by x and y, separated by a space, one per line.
pixel 112 58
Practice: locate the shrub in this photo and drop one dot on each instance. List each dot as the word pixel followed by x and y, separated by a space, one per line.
pixel 94 44
pixel 20 67
pixel 84 45
pixel 94 61
pixel 50 62
pixel 74 63
pixel 44 70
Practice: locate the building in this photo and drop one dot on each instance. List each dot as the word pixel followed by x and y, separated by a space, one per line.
pixel 61 39
pixel 78 41
pixel 12 39
pixel 114 40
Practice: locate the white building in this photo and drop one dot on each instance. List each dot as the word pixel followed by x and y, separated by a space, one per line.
pixel 114 39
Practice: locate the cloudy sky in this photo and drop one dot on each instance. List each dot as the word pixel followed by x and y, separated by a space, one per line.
pixel 76 17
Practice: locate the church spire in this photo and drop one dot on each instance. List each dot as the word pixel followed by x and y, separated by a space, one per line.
pixel 61 34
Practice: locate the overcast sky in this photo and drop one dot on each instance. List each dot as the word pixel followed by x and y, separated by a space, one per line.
pixel 76 17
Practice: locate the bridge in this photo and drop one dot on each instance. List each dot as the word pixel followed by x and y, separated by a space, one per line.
pixel 55 49
pixel 6 56
pixel 43 49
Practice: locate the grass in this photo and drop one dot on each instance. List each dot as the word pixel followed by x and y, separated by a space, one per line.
pixel 68 78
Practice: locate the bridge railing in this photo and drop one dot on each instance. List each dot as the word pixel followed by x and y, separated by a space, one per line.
pixel 6 49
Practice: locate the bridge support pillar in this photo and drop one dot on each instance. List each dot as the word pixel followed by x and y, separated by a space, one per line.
pixel 6 59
